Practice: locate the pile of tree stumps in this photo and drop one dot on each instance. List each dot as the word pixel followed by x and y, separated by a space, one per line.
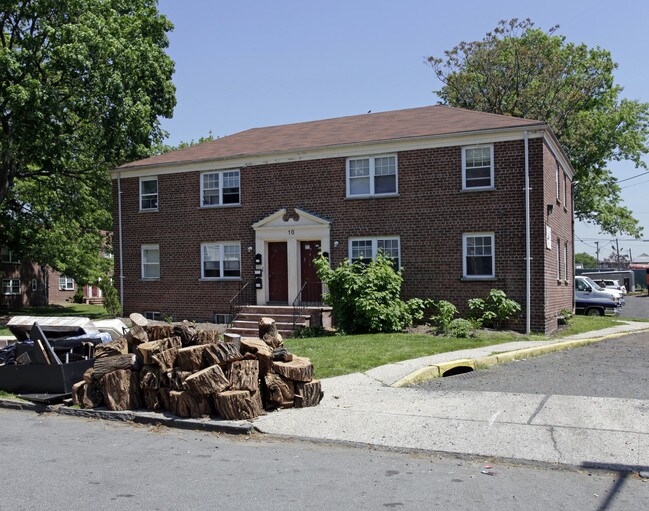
pixel 192 373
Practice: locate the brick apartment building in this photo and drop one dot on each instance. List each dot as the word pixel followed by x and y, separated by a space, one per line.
pixel 439 189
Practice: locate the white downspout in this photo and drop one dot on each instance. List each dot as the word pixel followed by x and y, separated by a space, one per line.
pixel 528 264
pixel 121 251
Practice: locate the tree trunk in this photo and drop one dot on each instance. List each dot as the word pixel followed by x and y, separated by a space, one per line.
pixel 135 336
pixel 207 381
pixel 205 337
pixel 185 404
pixel 244 375
pixel 87 395
pixel 166 359
pixel 280 391
pixel 221 353
pixel 232 339
pixel 262 352
pixel 177 378
pixel 121 390
pixel 104 366
pixel 267 326
pixel 298 369
pixel 112 349
pixel 191 357
pixel 151 348
pixel 157 332
pixel 185 331
pixel 236 405
pixel 308 394
pixel 152 399
pixel 152 377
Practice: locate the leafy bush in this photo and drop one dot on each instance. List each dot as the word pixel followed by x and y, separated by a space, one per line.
pixel 365 296
pixel 495 309
pixel 78 295
pixel 445 312
pixel 313 331
pixel 462 328
pixel 565 316
pixel 111 298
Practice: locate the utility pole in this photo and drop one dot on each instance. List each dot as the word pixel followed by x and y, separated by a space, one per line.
pixel 617 250
pixel 597 254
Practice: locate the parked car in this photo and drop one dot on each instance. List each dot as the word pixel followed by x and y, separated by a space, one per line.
pixel 593 300
pixel 612 284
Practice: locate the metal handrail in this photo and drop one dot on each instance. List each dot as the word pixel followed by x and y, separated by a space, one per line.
pixel 299 305
pixel 245 296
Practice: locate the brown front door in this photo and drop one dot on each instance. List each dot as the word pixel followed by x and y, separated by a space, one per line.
pixel 312 292
pixel 277 272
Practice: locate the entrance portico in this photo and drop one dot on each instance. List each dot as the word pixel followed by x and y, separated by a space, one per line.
pixel 288 241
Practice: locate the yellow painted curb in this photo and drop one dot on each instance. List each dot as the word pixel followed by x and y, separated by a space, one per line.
pixel 436 371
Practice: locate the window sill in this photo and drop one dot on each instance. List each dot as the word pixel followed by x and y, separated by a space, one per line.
pixel 149 210
pixel 478 279
pixel 150 280
pixel 479 189
pixel 375 196
pixel 221 279
pixel 220 206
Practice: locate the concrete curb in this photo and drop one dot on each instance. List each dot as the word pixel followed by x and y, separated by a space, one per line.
pixel 438 370
pixel 137 417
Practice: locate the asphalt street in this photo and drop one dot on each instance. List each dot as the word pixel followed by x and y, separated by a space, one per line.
pixel 58 462
pixel 636 307
pixel 616 368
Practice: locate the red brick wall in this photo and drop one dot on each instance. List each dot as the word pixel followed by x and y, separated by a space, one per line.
pixel 430 215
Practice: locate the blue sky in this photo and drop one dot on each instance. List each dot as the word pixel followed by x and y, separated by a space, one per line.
pixel 247 64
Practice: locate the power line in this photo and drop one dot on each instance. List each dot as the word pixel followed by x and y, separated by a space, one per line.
pixel 635 184
pixel 632 177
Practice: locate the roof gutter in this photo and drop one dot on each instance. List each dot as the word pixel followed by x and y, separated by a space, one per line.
pixel 528 265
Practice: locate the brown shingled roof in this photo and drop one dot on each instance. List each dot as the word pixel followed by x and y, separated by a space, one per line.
pixel 381 126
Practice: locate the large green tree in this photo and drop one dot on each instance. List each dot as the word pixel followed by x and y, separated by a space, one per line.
pixel 523 71
pixel 586 260
pixel 83 85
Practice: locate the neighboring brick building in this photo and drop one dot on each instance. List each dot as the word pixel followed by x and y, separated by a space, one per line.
pixel 440 189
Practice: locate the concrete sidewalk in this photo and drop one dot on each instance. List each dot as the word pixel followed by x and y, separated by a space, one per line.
pixel 574 430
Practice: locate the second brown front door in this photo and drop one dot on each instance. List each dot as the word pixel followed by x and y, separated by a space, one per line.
pixel 277 272
pixel 312 291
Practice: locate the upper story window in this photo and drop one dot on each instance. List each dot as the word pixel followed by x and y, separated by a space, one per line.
pixel 565 261
pixel 150 262
pixel 478 252
pixel 375 175
pixel 220 188
pixel 565 191
pixel 66 284
pixel 220 260
pixel 369 248
pixel 558 259
pixel 148 193
pixel 478 167
pixel 10 286
pixel 7 256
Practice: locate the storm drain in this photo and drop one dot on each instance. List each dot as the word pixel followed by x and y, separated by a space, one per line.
pixel 458 370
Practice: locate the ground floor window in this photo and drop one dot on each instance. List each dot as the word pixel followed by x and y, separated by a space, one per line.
pixel 11 286
pixel 368 248
pixel 66 284
pixel 150 261
pixel 220 260
pixel 478 255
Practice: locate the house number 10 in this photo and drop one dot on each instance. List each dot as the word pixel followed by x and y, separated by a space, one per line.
pixel 291 232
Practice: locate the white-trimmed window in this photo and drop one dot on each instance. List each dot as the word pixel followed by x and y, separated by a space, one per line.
pixel 558 181
pixel 478 255
pixel 565 260
pixel 10 286
pixel 558 259
pixel 374 175
pixel 151 262
pixel 7 256
pixel 153 316
pixel 478 167
pixel 368 248
pixel 220 188
pixel 148 193
pixel 220 260
pixel 66 283
pixel 565 191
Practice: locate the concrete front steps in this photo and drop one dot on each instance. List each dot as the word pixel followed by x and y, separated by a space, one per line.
pixel 247 322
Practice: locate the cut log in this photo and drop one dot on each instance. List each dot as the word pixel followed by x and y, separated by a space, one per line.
pixel 298 369
pixel 87 395
pixel 191 357
pixel 159 331
pixel 282 355
pixel 257 404
pixel 139 320
pixel 236 405
pixel 205 337
pixel 121 390
pixel 308 393
pixel 207 381
pixel 267 326
pixel 166 359
pixel 135 336
pixel 103 366
pixel 262 352
pixel 112 349
pixel 152 377
pixel 151 348
pixel 273 340
pixel 152 399
pixel 244 375
pixel 165 400
pixel 185 331
pixel 281 393
pixel 177 378
pixel 221 353
pixel 87 376
pixel 232 339
pixel 185 404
